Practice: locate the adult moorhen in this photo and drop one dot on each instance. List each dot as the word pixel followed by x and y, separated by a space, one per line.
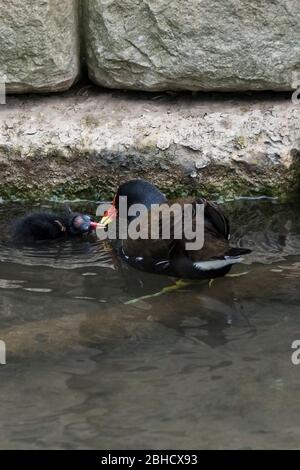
pixel 170 256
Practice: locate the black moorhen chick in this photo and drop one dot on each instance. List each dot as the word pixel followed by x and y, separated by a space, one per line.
pixel 170 256
pixel 40 226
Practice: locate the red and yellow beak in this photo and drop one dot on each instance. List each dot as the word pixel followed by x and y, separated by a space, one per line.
pixel 95 225
pixel 109 216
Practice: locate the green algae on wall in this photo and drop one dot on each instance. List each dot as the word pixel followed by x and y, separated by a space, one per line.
pixel 82 144
pixel 96 177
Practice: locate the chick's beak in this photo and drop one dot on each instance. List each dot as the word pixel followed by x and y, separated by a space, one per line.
pixel 109 216
pixel 95 225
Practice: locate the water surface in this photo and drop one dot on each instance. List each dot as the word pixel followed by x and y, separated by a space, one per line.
pixel 205 366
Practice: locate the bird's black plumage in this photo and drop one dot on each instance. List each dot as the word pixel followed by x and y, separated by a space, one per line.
pixel 170 256
pixel 139 192
pixel 41 226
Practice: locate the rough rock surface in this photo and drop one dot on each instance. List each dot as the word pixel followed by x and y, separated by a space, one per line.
pixel 193 45
pixel 84 142
pixel 39 45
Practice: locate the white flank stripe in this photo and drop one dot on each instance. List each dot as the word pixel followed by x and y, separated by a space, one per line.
pixel 162 262
pixel 216 263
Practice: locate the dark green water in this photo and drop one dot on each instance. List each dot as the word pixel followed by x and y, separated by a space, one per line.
pixel 206 366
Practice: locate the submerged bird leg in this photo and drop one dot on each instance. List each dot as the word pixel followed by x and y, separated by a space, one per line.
pixel 179 284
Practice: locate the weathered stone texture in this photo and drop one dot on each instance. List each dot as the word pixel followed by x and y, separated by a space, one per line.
pixel 224 45
pixel 39 46
pixel 85 142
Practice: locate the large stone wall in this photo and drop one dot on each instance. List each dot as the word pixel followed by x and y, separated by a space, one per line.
pixel 193 44
pixel 39 47
pixel 151 44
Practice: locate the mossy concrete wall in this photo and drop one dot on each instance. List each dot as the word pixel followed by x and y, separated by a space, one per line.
pixel 83 143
